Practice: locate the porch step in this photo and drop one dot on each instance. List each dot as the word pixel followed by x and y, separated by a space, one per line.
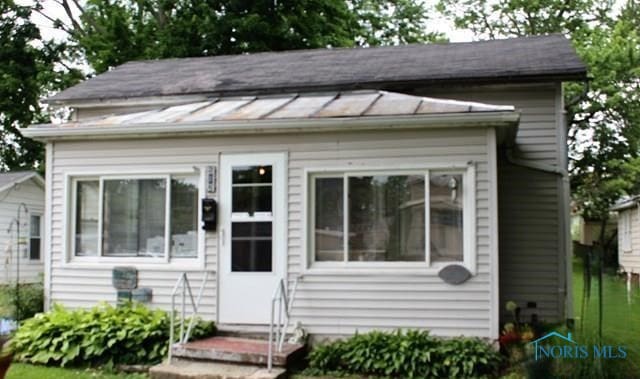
pixel 252 331
pixel 254 334
pixel 189 369
pixel 237 350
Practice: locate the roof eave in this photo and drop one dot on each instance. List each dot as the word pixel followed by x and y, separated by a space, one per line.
pixel 34 175
pixel 49 132
pixel 624 205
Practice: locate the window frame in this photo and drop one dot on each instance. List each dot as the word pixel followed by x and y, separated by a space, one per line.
pixel 71 258
pixel 467 170
pixel 40 229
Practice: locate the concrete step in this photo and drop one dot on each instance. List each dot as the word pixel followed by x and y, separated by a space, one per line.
pixel 237 350
pixel 189 369
pixel 258 332
pixel 254 335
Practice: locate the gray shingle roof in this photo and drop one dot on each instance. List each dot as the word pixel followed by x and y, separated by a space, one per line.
pixel 518 59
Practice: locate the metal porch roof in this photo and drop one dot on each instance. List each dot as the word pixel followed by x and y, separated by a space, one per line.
pixel 293 106
pixel 286 113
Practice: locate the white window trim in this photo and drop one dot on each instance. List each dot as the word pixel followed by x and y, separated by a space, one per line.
pixel 467 169
pixel 161 263
pixel 625 227
pixel 36 214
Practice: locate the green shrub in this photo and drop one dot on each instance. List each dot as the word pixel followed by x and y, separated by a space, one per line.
pixel 31 300
pixel 128 334
pixel 414 354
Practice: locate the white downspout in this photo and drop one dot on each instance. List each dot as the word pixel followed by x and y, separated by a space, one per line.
pixel 48 206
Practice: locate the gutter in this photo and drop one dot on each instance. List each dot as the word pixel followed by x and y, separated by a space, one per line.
pixel 79 131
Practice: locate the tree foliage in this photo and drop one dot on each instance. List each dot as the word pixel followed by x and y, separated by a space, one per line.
pixel 107 33
pixel 605 121
pixel 603 113
pixel 28 68
pixel 518 18
pixel 113 32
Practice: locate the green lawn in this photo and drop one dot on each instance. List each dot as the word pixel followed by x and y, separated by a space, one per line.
pixel 25 371
pixel 621 315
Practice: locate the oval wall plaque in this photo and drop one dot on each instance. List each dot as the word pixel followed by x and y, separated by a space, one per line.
pixel 454 274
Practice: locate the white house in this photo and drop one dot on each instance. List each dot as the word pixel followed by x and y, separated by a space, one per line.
pixel 21 226
pixel 628 234
pixel 347 170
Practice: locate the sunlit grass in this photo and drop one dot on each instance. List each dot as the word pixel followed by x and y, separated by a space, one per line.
pixel 621 319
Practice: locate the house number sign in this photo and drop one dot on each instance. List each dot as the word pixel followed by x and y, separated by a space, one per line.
pixel 211 173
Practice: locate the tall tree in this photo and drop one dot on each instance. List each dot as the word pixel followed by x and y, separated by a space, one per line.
pixel 113 32
pixel 28 68
pixel 603 113
pixel 605 128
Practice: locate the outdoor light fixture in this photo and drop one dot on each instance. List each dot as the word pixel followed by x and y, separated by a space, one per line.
pixel 453 185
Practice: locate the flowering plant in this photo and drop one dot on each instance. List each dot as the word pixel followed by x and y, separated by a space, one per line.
pixel 515 335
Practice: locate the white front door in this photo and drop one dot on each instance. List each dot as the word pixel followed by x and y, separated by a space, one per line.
pixel 253 232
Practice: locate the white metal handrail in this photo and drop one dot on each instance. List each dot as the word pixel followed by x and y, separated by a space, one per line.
pixel 184 284
pixel 280 322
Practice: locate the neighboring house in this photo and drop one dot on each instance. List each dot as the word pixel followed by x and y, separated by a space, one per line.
pixel 586 232
pixel 629 234
pixel 21 202
pixel 343 169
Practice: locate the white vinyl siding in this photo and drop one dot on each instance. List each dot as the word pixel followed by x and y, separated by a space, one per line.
pixel 629 260
pixel 533 256
pixel 327 303
pixel 32 195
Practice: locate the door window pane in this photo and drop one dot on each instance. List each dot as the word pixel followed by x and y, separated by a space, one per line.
pixel 251 189
pixel 34 238
pixel 386 218
pixel 134 217
pixel 252 175
pixel 184 217
pixel 329 219
pixel 446 228
pixel 251 199
pixel 86 228
pixel 251 247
